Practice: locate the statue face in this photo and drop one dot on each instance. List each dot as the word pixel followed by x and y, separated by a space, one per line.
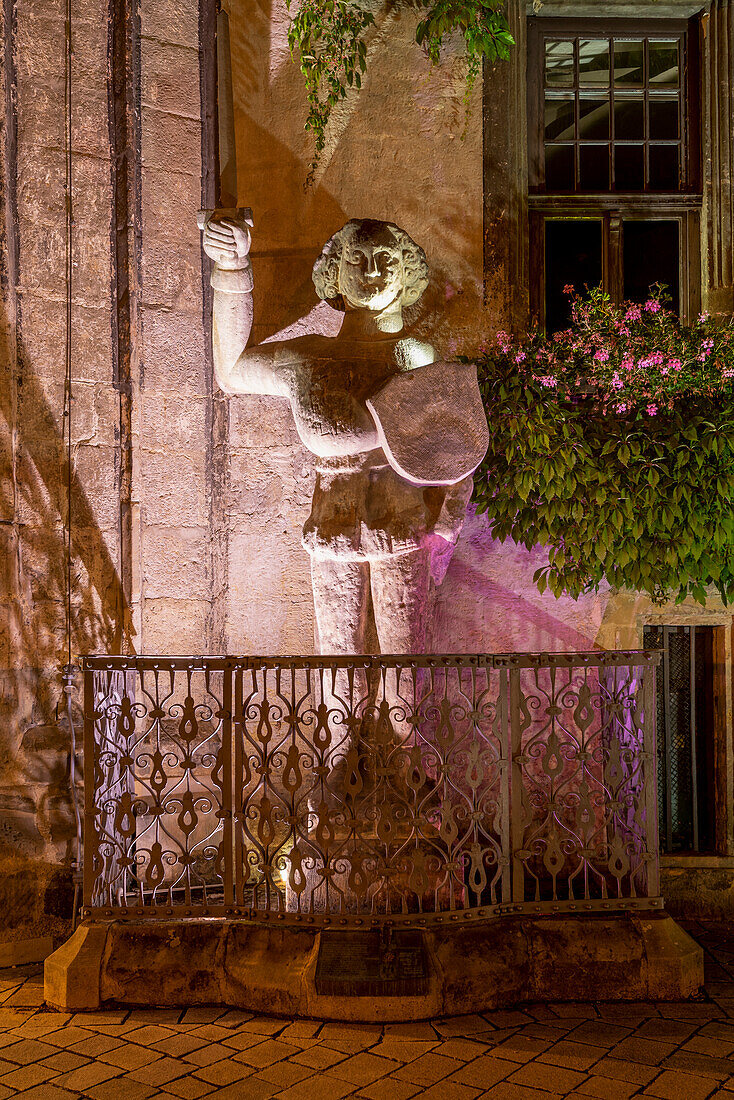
pixel 371 269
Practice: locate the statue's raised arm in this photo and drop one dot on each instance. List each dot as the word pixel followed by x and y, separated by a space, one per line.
pixel 238 369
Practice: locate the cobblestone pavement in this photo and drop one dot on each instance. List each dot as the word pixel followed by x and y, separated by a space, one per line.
pixel 612 1051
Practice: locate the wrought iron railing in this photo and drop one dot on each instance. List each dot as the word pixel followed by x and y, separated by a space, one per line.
pixel 347 790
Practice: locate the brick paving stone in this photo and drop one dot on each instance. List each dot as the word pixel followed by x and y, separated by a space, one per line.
pixel 625 1071
pixel 329 1088
pixel 671 1085
pixel 521 1048
pixel 600 1033
pixel 64 1061
pixel 404 1050
pixel 256 1090
pixel 512 1018
pixel 176 1045
pixel 366 1035
pixel 47 1091
pixel 25 1077
pixel 203 1014
pixel 207 1055
pixel 542 1031
pixel 506 1091
pixel 160 1072
pixel 572 1055
pixel 647 1052
pixel 27 1050
pixel 450 1090
pixel 94 1045
pixel 187 1088
pixel 155 1015
pixel 223 1073
pixel 463 1049
pixel 263 1025
pixel 484 1072
pixel 419 1031
pixel 13 1017
pixel 606 1088
pixel 363 1068
pixel 674 1031
pixel 704 1044
pixel 264 1054
pixel 242 1040
pixel 94 1073
pixel 149 1034
pixel 121 1089
pixel 390 1089
pixel 129 1057
pixel 574 1011
pixel 234 1018
pixel 213 1033
pixel 318 1057
pixel 43 1023
pixel 687 1062
pixel 463 1025
pixel 28 996
pixel 89 1019
pixel 428 1069
pixel 691 1011
pixel 554 1078
pixel 719 1029
pixel 285 1073
pixel 300 1029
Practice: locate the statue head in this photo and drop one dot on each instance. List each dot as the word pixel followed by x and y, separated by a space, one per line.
pixel 370 265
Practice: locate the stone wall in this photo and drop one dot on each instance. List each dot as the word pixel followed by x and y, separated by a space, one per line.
pixel 187 505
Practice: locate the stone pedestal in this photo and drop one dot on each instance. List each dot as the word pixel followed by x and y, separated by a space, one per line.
pixel 473 967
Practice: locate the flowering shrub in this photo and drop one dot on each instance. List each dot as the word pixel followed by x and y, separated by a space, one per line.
pixel 612 445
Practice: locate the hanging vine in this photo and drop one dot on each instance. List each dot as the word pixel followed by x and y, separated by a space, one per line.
pixel 328 39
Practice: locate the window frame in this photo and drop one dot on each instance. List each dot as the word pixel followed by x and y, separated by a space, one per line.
pixel 610 207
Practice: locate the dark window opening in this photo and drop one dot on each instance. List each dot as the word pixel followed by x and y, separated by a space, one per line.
pixel 650 255
pixel 573 256
pixel 685 736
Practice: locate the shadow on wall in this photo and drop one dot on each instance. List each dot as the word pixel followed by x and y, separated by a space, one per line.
pixel 488 602
pixel 36 818
pixel 406 166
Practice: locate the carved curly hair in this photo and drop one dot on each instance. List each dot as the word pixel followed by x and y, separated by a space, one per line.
pixel 326 269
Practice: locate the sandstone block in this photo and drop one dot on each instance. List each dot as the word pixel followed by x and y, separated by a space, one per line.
pixel 170 77
pixel 175 561
pixel 174 353
pixel 71 975
pixel 21 952
pixel 169 140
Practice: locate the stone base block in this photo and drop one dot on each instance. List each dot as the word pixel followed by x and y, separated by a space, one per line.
pixel 21 952
pixel 472 968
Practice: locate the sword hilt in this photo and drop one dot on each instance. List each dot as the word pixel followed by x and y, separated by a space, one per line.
pixel 234 213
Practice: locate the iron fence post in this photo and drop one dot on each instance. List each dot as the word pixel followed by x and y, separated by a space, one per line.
pixel 651 794
pixel 516 779
pixel 89 846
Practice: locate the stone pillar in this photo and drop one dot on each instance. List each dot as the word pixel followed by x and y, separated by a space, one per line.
pixel 718 119
pixel 506 249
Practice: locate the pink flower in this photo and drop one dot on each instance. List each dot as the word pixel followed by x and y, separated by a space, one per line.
pixel 703 317
pixel 622 408
pixel 569 288
pixel 655 359
pixel 643 364
pixel 548 381
pixel 627 364
pixel 675 364
pixel 663 370
pixel 601 356
pixel 652 306
pixel 652 409
pixel 634 313
pixel 520 357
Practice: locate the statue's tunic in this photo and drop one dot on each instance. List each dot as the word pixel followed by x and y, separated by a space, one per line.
pixel 363 509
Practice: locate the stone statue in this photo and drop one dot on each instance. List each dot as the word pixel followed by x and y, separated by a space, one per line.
pixel 396 436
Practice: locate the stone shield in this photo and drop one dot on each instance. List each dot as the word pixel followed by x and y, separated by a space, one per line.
pixel 431 423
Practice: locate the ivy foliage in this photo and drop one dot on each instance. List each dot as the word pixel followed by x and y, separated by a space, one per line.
pixel 642 497
pixel 328 37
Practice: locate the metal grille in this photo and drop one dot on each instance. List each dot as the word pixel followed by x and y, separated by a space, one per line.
pixel 681 691
pixel 369 788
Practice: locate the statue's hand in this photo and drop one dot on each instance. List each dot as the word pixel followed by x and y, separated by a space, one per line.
pixel 227 241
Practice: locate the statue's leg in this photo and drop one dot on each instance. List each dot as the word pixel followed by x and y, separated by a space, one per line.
pixel 341 604
pixel 401 590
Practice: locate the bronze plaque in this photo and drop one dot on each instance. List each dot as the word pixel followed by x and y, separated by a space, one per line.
pixel 371 964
